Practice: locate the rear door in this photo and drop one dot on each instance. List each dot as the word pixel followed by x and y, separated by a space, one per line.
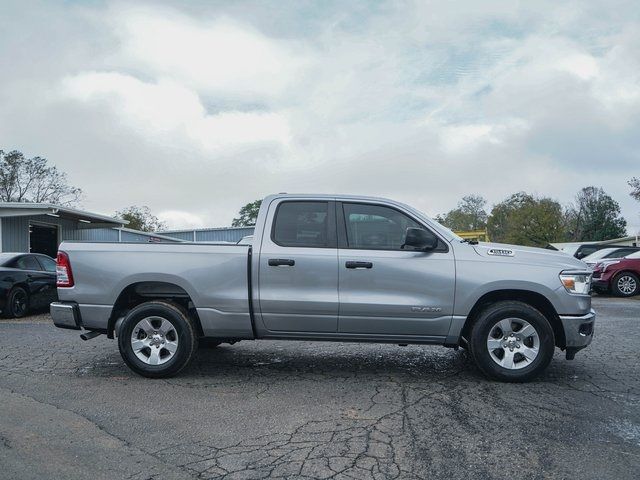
pixel 39 283
pixel 385 289
pixel 298 267
pixel 48 264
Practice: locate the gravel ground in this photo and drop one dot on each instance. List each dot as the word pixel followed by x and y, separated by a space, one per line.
pixel 272 409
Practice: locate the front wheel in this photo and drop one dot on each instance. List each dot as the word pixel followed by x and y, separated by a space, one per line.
pixel 157 339
pixel 512 342
pixel 625 284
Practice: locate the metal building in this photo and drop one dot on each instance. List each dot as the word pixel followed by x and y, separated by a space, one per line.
pixel 41 227
pixel 223 234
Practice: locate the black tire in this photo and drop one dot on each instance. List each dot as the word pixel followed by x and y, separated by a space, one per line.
pixel 185 334
pixel 486 324
pixel 17 303
pixel 618 284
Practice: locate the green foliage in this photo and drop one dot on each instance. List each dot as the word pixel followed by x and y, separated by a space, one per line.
pixel 34 180
pixel 523 219
pixel 595 216
pixel 634 183
pixel 141 218
pixel 247 215
pixel 468 215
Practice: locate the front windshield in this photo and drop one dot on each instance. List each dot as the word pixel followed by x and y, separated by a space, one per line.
pixel 599 254
pixel 634 255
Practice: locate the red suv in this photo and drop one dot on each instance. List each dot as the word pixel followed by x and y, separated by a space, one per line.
pixel 620 276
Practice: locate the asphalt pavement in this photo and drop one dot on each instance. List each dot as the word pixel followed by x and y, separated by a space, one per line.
pixel 276 409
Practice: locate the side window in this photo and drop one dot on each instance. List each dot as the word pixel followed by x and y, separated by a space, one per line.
pixel 376 227
pixel 588 250
pixel 301 224
pixel 48 264
pixel 28 262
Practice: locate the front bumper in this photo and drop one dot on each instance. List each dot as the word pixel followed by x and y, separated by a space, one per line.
pixel 578 330
pixel 65 315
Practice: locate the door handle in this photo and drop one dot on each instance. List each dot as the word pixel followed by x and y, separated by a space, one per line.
pixel 281 262
pixel 352 264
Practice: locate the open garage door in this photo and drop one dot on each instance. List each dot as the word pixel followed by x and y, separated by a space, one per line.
pixel 44 239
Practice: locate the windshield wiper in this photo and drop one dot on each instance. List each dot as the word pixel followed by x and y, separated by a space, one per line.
pixel 470 242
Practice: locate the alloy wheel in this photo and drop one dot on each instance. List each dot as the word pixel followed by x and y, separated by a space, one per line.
pixel 513 343
pixel 627 284
pixel 154 340
pixel 19 303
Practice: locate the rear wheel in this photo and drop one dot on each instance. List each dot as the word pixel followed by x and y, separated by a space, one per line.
pixel 157 339
pixel 625 284
pixel 17 303
pixel 512 341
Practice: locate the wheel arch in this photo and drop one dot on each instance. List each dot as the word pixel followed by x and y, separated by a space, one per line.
pixel 137 293
pixel 534 299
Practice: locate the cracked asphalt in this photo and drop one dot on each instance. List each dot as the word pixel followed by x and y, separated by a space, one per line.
pixel 272 409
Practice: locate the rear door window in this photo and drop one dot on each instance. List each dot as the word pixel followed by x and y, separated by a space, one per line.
pixel 302 224
pixel 28 262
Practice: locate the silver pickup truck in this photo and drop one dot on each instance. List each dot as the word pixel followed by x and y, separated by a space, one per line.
pixel 329 268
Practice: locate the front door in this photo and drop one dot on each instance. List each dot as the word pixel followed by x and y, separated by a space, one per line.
pixel 385 289
pixel 298 269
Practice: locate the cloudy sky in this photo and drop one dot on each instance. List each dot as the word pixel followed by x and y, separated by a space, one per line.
pixel 196 108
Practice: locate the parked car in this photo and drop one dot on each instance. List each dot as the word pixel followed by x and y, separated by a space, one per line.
pixel 332 268
pixel 612 252
pixel 27 282
pixel 582 250
pixel 620 276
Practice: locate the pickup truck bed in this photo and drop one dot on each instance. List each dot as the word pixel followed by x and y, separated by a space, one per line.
pixel 214 279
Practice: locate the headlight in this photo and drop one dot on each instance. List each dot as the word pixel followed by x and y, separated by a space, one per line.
pixel 576 282
pixel 604 265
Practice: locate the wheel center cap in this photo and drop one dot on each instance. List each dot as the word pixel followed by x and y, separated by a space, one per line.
pixel 157 339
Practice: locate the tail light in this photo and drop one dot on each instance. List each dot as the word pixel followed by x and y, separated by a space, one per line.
pixel 64 275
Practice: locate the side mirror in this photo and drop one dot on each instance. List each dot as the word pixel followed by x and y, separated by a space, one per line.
pixel 420 239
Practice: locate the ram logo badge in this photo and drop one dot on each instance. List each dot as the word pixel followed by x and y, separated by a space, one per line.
pixel 501 252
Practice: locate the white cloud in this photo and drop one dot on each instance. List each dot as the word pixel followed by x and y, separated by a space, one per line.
pixel 216 56
pixel 169 112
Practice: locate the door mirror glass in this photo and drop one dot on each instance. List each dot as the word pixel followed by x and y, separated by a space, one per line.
pixel 420 239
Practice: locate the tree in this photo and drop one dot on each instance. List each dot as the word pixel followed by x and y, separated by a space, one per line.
pixel 634 183
pixel 247 215
pixel 595 216
pixel 141 218
pixel 34 180
pixel 523 219
pixel 468 215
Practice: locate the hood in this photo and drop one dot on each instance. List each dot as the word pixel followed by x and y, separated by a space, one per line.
pixel 529 255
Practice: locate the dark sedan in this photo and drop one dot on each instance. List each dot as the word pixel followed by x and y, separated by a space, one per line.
pixel 27 282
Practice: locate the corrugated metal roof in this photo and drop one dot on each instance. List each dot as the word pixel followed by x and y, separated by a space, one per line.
pixel 17 209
